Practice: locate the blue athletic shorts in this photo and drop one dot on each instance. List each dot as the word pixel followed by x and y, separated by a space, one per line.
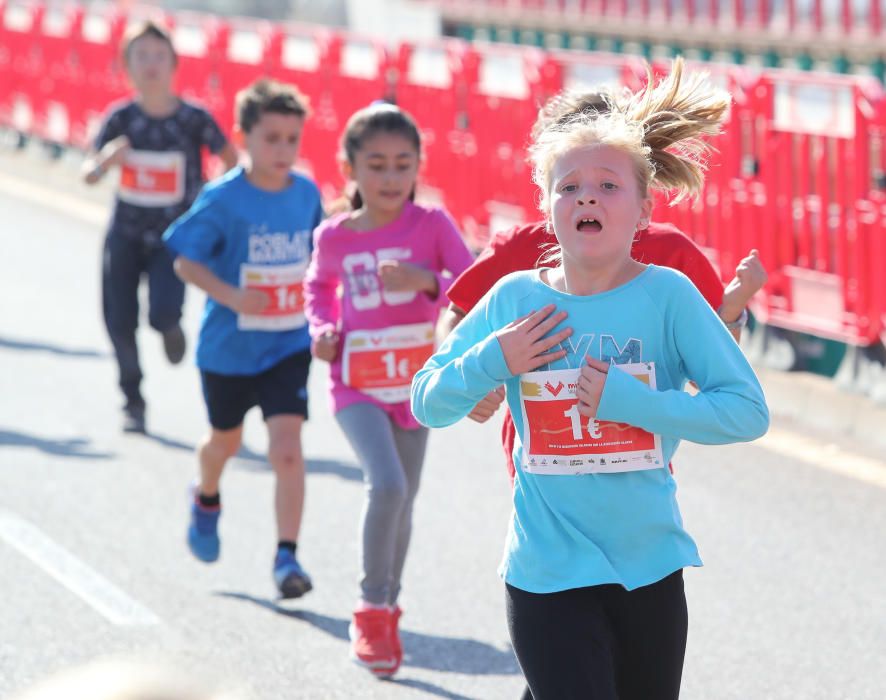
pixel 280 390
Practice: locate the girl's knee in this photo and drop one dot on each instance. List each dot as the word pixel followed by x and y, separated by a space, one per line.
pixel 392 493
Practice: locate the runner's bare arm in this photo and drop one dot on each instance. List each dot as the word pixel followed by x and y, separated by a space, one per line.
pixel 244 301
pixel 488 406
pixel 325 347
pixel 97 164
pixel 750 276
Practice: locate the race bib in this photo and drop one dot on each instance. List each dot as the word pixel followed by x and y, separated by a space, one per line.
pixel 382 363
pixel 153 178
pixel 559 440
pixel 286 302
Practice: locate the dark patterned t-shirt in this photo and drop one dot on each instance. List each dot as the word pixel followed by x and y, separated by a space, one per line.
pixel 163 172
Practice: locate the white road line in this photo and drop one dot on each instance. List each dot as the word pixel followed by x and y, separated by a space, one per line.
pixel 54 198
pixel 824 455
pixel 73 574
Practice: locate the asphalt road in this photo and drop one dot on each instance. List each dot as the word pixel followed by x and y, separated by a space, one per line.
pixel 791 603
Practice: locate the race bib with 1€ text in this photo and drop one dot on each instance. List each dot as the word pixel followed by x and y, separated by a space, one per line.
pixel 559 440
pixel 382 362
pixel 283 285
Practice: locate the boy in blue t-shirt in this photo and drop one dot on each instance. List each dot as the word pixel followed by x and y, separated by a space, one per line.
pixel 156 139
pixel 246 242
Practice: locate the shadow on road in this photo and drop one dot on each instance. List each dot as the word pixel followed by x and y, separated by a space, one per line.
pixel 427 651
pixel 330 466
pixel 50 348
pixel 65 447
pixel 254 462
pixel 168 442
pixel 430 688
pixel 249 460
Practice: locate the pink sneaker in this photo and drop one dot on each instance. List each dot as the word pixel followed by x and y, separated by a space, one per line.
pixel 371 641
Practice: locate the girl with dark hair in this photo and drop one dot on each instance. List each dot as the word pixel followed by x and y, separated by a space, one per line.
pixel 389 256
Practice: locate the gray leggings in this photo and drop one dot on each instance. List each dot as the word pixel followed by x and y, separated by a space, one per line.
pixel 391 458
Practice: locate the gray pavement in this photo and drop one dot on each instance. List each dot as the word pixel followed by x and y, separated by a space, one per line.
pixel 790 603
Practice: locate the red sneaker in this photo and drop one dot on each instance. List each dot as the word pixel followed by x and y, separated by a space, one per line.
pixel 371 642
pixel 396 612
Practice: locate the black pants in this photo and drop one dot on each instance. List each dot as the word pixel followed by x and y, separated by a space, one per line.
pixel 124 262
pixel 601 642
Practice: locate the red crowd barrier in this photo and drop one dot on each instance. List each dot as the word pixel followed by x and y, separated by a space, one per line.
pixel 245 47
pixel 504 88
pixel 22 63
pixel 60 72
pixel 815 175
pixel 200 44
pixel 800 172
pixel 299 55
pixel 102 79
pixel 360 76
pixel 799 177
pixel 715 219
pixel 431 89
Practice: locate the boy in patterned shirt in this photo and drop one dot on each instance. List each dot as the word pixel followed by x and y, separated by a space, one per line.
pixel 156 139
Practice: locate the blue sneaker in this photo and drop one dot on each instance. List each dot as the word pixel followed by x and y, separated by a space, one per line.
pixel 291 579
pixel 203 532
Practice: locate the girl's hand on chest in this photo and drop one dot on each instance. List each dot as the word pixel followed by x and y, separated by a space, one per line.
pixel 525 343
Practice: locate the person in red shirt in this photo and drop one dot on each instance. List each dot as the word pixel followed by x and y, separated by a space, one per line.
pixel 525 247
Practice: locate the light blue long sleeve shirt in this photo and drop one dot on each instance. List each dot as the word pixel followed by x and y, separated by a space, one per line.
pixel 570 531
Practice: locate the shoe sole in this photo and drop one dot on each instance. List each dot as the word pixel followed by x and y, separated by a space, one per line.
pixel 205 560
pixel 295 589
pixel 380 669
pixel 386 673
pixel 174 345
pixel 199 556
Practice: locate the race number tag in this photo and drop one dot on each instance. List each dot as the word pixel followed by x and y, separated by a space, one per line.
pixel 153 178
pixel 382 363
pixel 558 440
pixel 283 285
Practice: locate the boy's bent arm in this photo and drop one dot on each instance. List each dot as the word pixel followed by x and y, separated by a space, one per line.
pixel 202 277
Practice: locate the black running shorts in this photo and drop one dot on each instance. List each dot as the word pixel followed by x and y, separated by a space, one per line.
pixel 279 390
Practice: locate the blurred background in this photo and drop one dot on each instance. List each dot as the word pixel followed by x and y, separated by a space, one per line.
pixel 800 173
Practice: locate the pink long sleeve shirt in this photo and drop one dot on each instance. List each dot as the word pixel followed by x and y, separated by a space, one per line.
pixel 349 259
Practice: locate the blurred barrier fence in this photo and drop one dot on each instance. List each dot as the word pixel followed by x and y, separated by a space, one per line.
pixel 847 34
pixel 798 174
pixel 816 17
